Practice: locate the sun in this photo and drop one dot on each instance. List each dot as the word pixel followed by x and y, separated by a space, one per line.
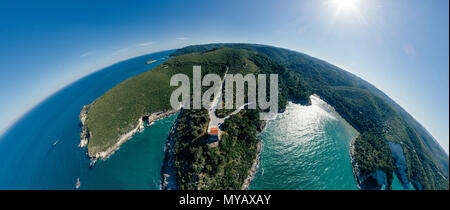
pixel 345 4
pixel 348 11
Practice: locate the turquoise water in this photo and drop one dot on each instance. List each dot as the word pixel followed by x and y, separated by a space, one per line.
pixel 136 165
pixel 28 159
pixel 306 148
pixel 397 185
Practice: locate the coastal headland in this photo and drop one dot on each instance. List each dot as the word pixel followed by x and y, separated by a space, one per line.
pixel 114 117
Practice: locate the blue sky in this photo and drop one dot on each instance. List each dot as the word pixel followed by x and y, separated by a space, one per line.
pixel 401 46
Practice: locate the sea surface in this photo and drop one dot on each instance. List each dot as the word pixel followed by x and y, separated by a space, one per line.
pixel 40 150
pixel 306 148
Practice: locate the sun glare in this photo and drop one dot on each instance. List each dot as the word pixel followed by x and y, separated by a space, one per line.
pixel 346 9
pixel 345 4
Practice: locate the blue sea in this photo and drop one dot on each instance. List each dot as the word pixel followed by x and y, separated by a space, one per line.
pixel 306 147
pixel 29 160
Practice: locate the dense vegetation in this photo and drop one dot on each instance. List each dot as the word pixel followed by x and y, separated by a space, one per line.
pixel 198 165
pixel 226 166
pixel 118 111
pixel 202 166
pixel 369 110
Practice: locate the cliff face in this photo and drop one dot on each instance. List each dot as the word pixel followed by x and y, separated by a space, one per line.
pixel 85 133
pixel 84 129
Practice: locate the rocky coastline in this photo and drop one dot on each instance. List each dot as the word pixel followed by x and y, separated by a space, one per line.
pixel 252 170
pixel 376 180
pixel 84 129
pixel 168 175
pixel 356 171
pixel 85 133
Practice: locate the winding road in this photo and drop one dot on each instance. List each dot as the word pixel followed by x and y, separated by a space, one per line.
pixel 215 121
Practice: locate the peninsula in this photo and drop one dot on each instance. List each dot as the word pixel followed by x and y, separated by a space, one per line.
pixel 192 162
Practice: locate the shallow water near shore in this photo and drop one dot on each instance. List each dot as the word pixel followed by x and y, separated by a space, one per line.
pixel 40 151
pixel 306 148
pixel 137 164
pixel 397 184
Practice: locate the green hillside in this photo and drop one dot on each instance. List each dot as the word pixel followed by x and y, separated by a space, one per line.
pixel 198 166
pixel 377 117
pixel 118 111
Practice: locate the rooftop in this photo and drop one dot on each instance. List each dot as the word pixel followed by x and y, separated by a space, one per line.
pixel 214 131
